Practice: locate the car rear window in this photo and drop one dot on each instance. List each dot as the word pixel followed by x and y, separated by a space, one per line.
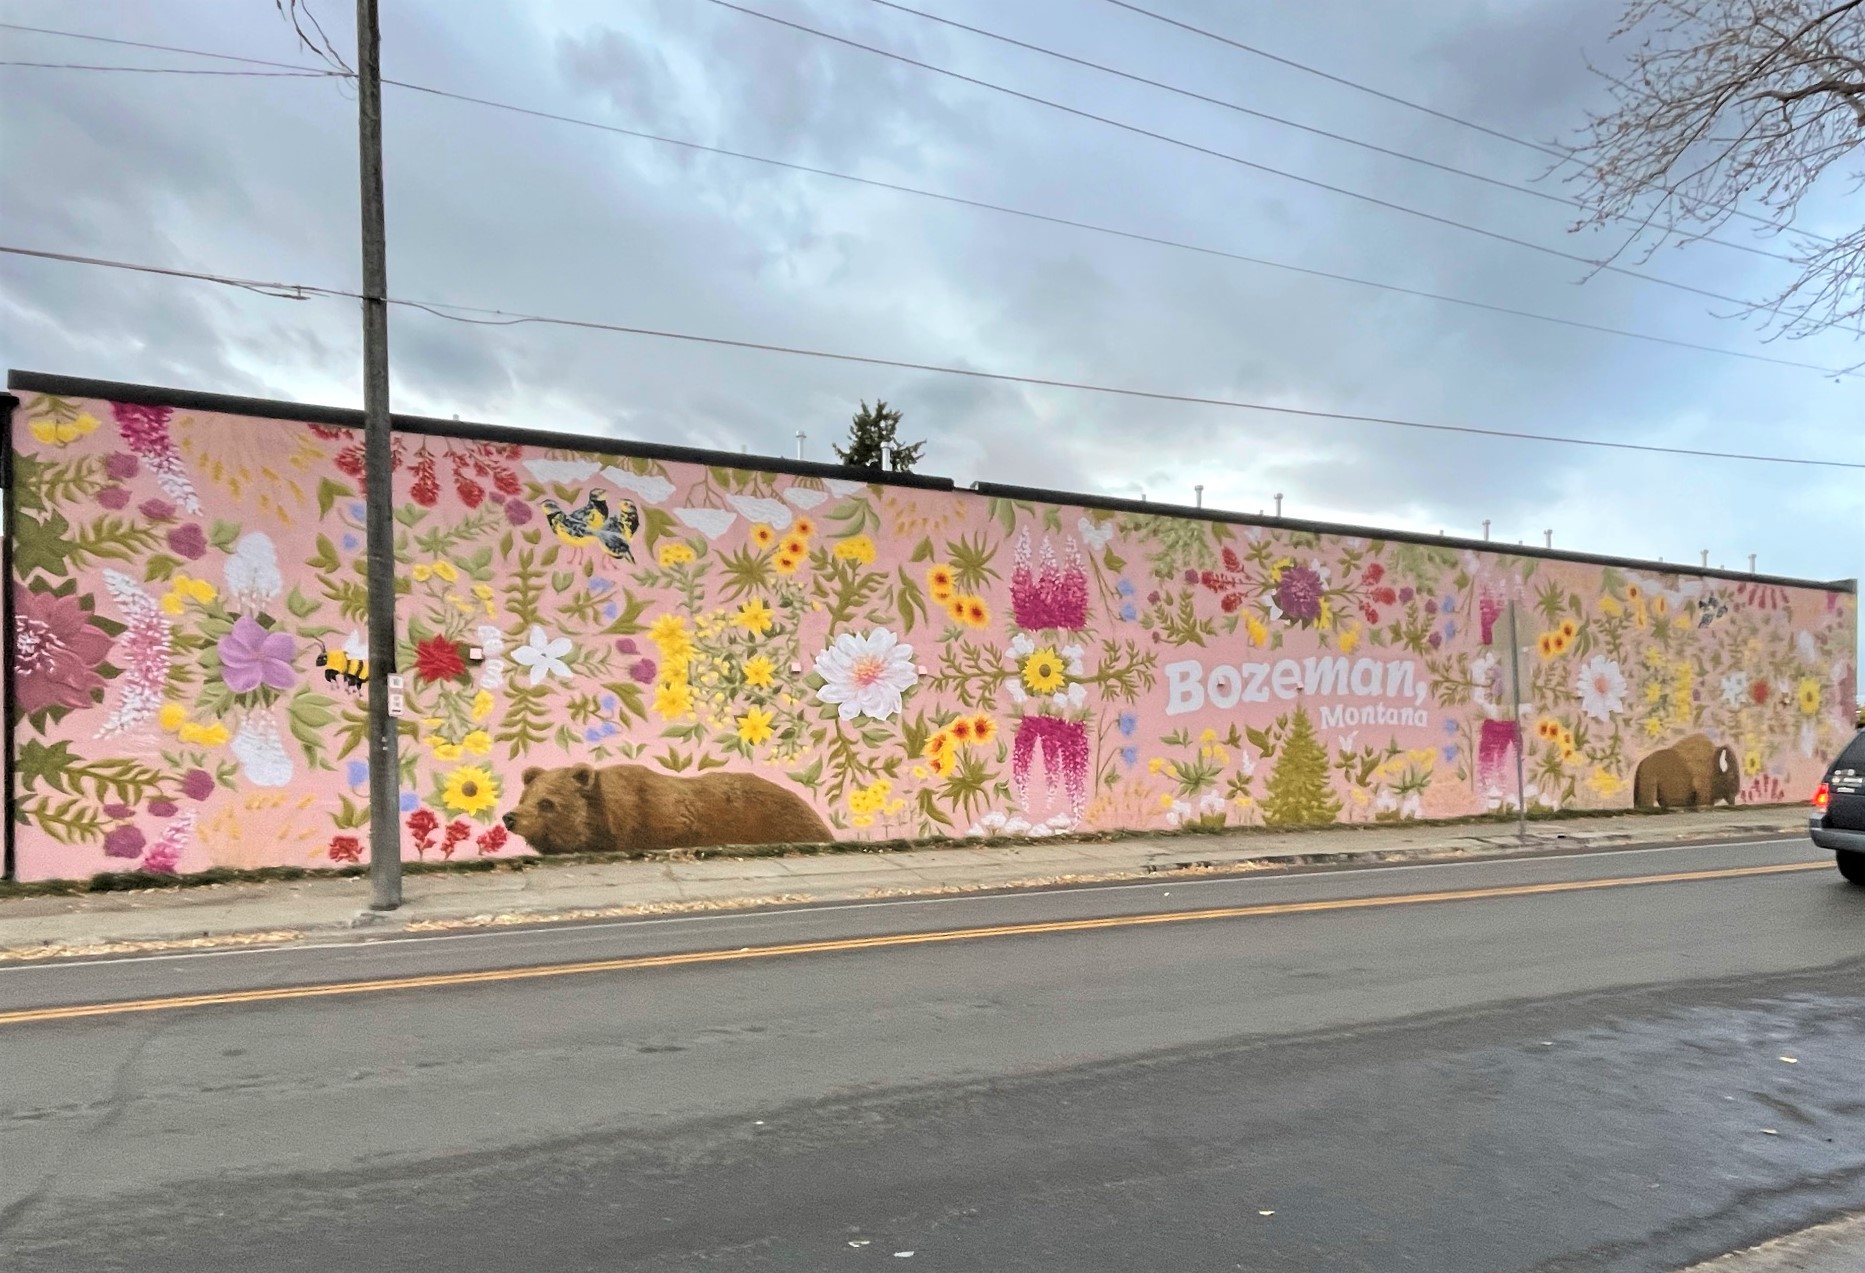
pixel 1853 757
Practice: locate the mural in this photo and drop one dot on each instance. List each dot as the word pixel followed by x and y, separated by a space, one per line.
pixel 611 652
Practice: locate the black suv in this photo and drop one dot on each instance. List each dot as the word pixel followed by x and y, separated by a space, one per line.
pixel 1838 822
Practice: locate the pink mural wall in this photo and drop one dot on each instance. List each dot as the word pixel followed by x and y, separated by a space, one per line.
pixel 612 652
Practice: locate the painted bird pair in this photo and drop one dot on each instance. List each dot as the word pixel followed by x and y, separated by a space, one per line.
pixel 596 523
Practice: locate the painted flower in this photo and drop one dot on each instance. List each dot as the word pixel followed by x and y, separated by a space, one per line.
pixel 477 743
pixel 470 790
pixel 858 549
pixel 762 536
pixel 941 582
pixel 356 773
pixel 261 751
pixel 754 616
pixel 1298 594
pixel 754 726
pixel 252 572
pixel 125 841
pixel 759 672
pixel 675 554
pixel 1808 695
pixel 544 656
pixel 438 659
pixel 1601 686
pixel 58 649
pixel 64 432
pixel 970 611
pixel 197 784
pixel 1049 593
pixel 983 730
pixel 250 657
pixel 866 675
pixel 643 671
pixel 1043 672
pixel 517 512
pixel 673 700
pixel 794 547
pixel 482 705
pixel 1734 689
pixel 345 848
pixel 1759 693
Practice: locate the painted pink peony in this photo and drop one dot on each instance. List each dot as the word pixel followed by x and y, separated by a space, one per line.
pixel 58 650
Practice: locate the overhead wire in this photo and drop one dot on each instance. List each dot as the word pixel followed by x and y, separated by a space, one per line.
pixel 1237 107
pixel 1553 152
pixel 484 316
pixel 176 70
pixel 987 206
pixel 1226 156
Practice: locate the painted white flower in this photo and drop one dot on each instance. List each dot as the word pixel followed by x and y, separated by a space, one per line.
pixel 1386 802
pixel 866 675
pixel 1806 647
pixel 1485 680
pixel 492 674
pixel 252 572
pixel 1809 738
pixel 1014 688
pixel 1094 536
pixel 1016 826
pixel 261 752
pixel 649 488
pixel 1077 696
pixel 1735 689
pixel 1211 803
pixel 1412 806
pixel 491 640
pixel 1021 646
pixel 543 656
pixel 990 824
pixel 1601 686
pixel 1177 813
pixel 1073 655
pixel 1246 764
pixel 1061 822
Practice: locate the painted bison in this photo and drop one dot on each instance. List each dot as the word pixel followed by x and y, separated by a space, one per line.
pixel 1692 774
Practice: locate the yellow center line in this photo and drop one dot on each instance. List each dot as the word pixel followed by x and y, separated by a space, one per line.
pixel 434 980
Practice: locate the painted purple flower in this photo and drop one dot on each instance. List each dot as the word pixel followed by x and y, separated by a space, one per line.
pixel 145 433
pixel 163 808
pixel 58 651
pixel 1431 606
pixel 189 541
pixel 197 784
pixel 165 854
pixel 117 809
pixel 1191 576
pixel 517 512
pixel 114 498
pixel 250 657
pixel 626 645
pixel 1435 640
pixel 157 510
pixel 121 466
pixel 1406 593
pixel 143 649
pixel 125 841
pixel 1298 594
pixel 643 672
pixel 1049 594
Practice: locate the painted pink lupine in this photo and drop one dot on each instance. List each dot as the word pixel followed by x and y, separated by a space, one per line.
pixel 1494 742
pixel 1489 608
pixel 165 853
pixel 145 433
pixel 1054 596
pixel 1066 755
pixel 58 650
pixel 145 648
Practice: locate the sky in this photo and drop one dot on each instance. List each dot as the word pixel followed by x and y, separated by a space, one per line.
pixel 256 178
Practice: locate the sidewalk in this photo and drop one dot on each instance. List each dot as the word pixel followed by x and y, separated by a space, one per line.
pixel 45 927
pixel 1838 1247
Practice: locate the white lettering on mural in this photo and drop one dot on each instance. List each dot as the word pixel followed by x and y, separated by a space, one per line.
pixel 1190 687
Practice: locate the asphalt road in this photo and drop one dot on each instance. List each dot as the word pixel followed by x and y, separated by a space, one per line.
pixel 1611 1061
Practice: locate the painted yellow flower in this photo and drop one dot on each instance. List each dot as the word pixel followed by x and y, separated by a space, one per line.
pixel 762 536
pixel 173 716
pixel 754 726
pixel 1156 765
pixel 1349 639
pixel 446 572
pixel 1654 726
pixel 803 527
pixel 470 790
pixel 759 672
pixel 970 611
pixel 1043 672
pixel 754 616
pixel 1546 645
pixel 936 746
pixel 1568 630
pixel 676 554
pixel 61 432
pixel 1165 800
pixel 1653 692
pixel 1259 631
pixel 1605 783
pixel 673 700
pixel 422 572
pixel 1808 696
pixel 942 582
pixel 444 750
pixel 477 743
pixel 1751 761
pixel 793 546
pixel 1660 606
pixel 214 735
pixel 1610 607
pixel 173 604
pixel 482 705
pixel 858 549
pixel 669 630
pixel 484 592
pixel 983 729
pixel 786 564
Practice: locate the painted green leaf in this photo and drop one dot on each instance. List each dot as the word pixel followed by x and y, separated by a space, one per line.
pixel 329 491
pixel 223 535
pixel 301 606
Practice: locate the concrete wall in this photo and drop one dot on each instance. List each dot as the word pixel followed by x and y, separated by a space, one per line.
pixel 893 661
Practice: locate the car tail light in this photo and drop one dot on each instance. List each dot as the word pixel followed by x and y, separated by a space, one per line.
pixel 1822 797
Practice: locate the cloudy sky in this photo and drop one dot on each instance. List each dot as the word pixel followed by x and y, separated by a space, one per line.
pixel 256 178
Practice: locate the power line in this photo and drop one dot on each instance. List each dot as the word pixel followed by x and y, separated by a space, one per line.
pixel 158 48
pixel 1590 263
pixel 176 70
pixel 501 318
pixel 1003 209
pixel 1563 156
pixel 1239 108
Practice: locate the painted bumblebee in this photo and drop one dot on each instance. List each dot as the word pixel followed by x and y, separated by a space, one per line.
pixel 596 523
pixel 348 665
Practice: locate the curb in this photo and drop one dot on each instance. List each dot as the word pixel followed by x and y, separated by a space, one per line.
pixel 370 924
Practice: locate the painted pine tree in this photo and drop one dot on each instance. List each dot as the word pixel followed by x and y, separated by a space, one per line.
pixel 1299 791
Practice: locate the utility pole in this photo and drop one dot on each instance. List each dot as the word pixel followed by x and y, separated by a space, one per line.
pixel 378 486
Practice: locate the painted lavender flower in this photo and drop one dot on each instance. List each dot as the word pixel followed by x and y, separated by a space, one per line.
pixel 1053 595
pixel 165 854
pixel 146 646
pixel 1065 750
pixel 1298 594
pixel 58 650
pixel 145 433
pixel 250 657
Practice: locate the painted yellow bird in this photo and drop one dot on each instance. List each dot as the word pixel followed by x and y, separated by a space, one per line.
pixel 596 523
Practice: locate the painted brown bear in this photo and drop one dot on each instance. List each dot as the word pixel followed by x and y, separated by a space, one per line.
pixel 633 809
pixel 1691 774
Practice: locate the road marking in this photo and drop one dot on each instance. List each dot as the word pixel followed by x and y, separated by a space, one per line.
pixel 555 929
pixel 70 1012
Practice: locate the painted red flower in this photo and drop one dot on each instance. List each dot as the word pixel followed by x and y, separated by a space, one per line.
pixel 1761 693
pixel 456 832
pixel 492 840
pixel 346 848
pixel 1374 573
pixel 422 824
pixel 438 659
